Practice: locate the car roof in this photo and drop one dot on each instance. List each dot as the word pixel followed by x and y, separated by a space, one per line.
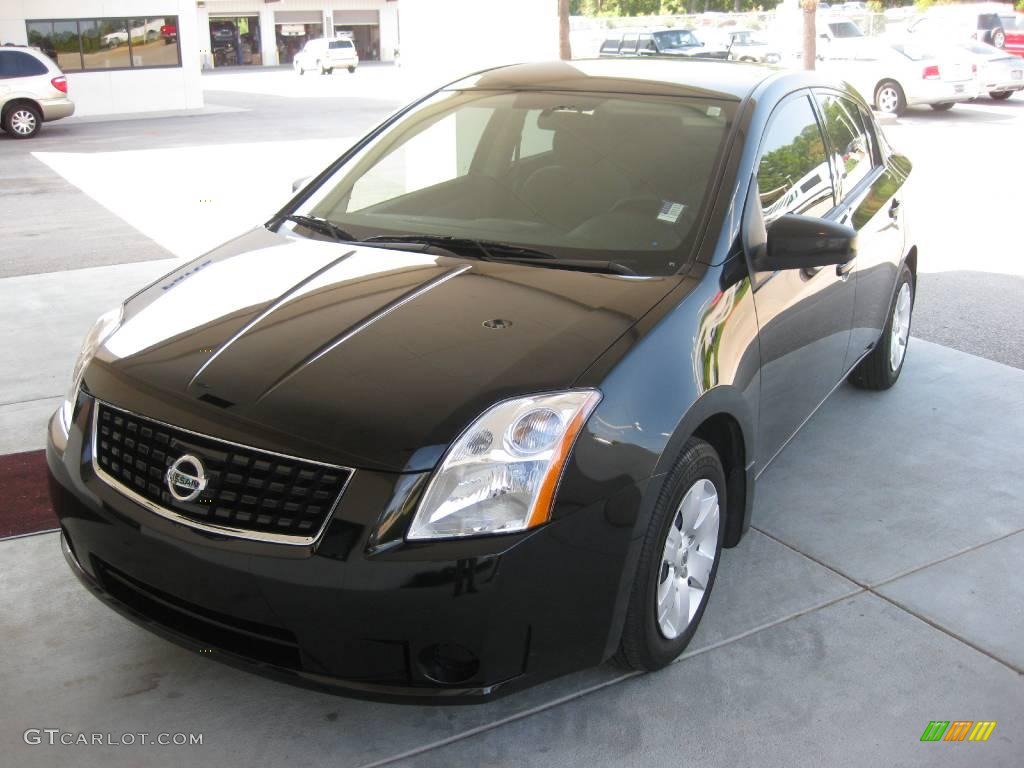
pixel 641 75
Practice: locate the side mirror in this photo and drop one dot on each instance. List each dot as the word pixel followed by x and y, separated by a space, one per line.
pixel 300 183
pixel 806 242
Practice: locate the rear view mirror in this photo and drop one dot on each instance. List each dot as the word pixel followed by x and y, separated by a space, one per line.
pixel 806 242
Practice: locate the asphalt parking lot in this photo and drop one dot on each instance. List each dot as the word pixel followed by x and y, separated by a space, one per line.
pixel 878 590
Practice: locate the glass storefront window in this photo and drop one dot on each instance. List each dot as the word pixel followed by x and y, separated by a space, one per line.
pixel 97 44
pixel 66 43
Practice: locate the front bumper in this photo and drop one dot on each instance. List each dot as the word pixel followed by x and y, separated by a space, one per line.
pixel 448 621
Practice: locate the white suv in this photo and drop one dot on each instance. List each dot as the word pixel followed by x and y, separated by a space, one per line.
pixel 325 55
pixel 33 90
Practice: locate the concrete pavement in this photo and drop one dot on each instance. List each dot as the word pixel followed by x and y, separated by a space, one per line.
pixel 838 629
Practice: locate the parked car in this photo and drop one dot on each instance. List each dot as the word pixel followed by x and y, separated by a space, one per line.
pixel 979 21
pixel 325 55
pixel 1014 34
pixel 999 74
pixel 741 44
pixel 169 33
pixel 901 75
pixel 33 91
pixel 660 42
pixel 484 402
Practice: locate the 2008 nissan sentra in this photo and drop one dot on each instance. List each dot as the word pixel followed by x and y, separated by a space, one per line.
pixel 486 400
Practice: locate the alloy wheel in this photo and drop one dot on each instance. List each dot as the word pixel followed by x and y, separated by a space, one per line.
pixel 900 327
pixel 888 99
pixel 687 559
pixel 23 122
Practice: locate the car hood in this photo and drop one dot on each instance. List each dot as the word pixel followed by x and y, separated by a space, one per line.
pixel 366 357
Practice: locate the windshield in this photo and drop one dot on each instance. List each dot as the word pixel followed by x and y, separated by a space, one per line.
pixel 335 44
pixel 616 177
pixel 845 29
pixel 675 38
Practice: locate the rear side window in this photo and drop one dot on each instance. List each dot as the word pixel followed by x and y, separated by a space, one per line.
pixel 611 45
pixel 850 141
pixel 20 64
pixel 629 43
pixel 793 174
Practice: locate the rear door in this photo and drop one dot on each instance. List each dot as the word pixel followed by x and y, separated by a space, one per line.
pixel 869 192
pixel 803 315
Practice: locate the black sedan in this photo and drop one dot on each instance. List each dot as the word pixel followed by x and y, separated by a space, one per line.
pixel 485 401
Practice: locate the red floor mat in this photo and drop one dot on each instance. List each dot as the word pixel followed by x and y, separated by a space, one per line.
pixel 24 500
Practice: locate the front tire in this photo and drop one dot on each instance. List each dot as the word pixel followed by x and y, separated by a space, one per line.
pixel 22 121
pixel 1000 95
pixel 999 39
pixel 883 365
pixel 678 561
pixel 351 70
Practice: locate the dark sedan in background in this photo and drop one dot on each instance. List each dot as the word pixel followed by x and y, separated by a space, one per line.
pixel 663 42
pixel 485 401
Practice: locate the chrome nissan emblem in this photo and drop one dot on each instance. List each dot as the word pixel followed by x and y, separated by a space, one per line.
pixel 186 478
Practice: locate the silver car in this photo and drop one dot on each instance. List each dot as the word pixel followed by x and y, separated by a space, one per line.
pixel 999 74
pixel 893 77
pixel 33 91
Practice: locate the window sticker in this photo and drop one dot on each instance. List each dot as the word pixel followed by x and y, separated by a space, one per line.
pixel 670 211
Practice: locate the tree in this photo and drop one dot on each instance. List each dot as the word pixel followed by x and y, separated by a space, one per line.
pixel 810 32
pixel 564 48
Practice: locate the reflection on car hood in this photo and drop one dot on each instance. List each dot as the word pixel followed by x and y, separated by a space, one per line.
pixel 362 356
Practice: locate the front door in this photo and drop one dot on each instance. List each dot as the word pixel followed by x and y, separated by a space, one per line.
pixel 804 315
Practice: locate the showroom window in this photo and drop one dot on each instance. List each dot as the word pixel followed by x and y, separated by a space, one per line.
pixel 91 45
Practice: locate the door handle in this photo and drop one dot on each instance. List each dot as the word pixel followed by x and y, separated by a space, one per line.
pixel 894 209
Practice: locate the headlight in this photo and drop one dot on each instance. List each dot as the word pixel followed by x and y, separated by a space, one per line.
pixel 98 334
pixel 501 475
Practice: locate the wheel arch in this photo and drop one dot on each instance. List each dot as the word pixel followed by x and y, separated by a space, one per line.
pixel 723 418
pixel 22 100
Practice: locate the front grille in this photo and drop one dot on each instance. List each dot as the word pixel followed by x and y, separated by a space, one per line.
pixel 249 492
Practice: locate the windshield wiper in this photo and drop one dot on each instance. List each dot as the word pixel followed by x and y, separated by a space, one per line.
pixel 323 226
pixel 489 250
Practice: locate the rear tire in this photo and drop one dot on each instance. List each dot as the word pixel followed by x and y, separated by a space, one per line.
pixel 943 107
pixel 21 120
pixel 883 365
pixel 1000 95
pixel 999 39
pixel 678 561
pixel 889 98
pixel 351 70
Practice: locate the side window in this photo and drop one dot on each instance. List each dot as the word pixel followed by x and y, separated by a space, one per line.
pixel 793 173
pixel 19 64
pixel 850 140
pixel 629 43
pixel 611 45
pixel 646 43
